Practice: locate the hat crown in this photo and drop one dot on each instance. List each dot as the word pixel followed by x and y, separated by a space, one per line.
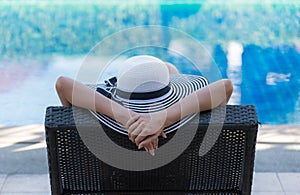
pixel 142 74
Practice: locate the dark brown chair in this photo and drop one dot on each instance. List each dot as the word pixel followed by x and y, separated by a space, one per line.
pixel 227 167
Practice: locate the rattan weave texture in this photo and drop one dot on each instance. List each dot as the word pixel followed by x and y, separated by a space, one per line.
pixel 226 169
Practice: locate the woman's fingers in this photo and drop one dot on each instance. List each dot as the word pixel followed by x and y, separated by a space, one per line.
pixel 139 138
pixel 131 121
pixel 137 131
pixel 132 124
pixel 155 144
pixel 163 134
pixel 150 144
pixel 151 149
pixel 146 148
pixel 132 135
pixel 152 152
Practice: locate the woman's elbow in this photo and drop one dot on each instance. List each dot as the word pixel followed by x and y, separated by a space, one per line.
pixel 62 83
pixel 228 86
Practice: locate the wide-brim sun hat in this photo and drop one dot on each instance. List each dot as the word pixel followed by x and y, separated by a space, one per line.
pixel 144 85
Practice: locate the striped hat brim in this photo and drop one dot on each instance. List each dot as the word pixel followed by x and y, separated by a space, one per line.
pixel 181 85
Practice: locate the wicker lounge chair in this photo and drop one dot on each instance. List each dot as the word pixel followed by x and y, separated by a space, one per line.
pixel 226 169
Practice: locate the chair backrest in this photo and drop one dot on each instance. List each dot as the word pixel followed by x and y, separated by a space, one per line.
pixel 226 167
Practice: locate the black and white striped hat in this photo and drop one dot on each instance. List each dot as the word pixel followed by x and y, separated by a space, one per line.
pixel 144 86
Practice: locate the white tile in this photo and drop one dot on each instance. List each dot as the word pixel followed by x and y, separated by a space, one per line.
pixel 279 134
pixel 2 180
pixel 266 182
pixel 26 184
pixel 292 193
pixel 25 133
pixel 290 181
pixel 268 193
pixel 26 193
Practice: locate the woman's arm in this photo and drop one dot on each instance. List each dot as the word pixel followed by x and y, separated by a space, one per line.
pixel 209 97
pixel 72 92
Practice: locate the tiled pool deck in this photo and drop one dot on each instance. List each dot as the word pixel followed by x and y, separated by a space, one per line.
pixel 23 164
pixel 264 184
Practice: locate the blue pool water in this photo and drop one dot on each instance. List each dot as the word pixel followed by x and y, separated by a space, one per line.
pixel 256 45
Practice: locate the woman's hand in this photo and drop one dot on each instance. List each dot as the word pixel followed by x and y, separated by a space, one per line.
pixel 143 125
pixel 151 143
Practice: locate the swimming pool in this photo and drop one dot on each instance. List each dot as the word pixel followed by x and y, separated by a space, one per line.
pixel 256 45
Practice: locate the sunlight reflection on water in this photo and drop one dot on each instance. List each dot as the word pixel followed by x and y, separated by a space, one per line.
pixel 265 73
pixel 27 87
pixel 26 90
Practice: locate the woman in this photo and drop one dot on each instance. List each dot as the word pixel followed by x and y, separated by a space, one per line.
pixel 134 77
